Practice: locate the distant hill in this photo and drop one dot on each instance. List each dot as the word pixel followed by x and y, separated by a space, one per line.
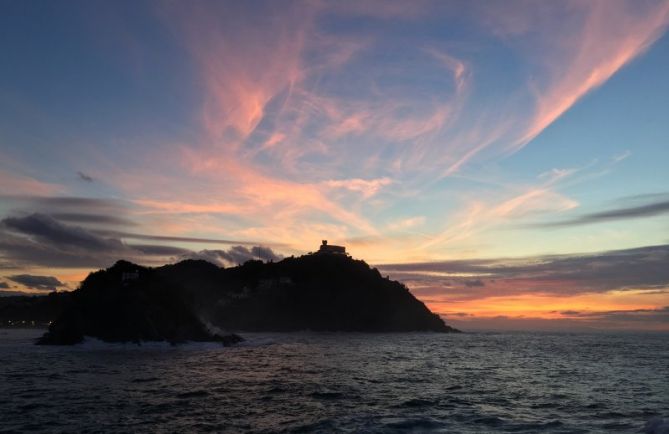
pixel 32 310
pixel 194 300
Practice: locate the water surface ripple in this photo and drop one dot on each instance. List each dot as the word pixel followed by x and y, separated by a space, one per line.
pixel 306 382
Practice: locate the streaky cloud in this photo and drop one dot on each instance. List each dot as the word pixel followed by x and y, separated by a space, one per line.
pixel 45 229
pixel 597 55
pixel 159 250
pixel 49 204
pixel 640 269
pixel 136 236
pixel 42 283
pixel 25 185
pixel 103 219
pixel 4 293
pixel 625 213
pixel 644 315
pixel 40 240
pixel 656 319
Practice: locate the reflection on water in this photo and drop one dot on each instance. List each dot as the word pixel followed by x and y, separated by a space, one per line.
pixel 512 382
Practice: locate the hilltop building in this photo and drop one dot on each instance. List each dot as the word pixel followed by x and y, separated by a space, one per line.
pixel 128 276
pixel 329 249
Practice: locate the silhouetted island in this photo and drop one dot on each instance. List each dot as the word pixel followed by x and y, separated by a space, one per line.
pixel 193 300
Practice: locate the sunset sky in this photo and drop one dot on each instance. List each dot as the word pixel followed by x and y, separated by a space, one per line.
pixel 508 161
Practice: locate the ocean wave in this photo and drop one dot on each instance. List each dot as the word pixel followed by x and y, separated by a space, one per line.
pixel 338 383
pixel 91 343
pixel 657 425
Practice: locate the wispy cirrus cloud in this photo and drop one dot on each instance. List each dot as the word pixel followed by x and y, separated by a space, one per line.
pixel 407 223
pixel 301 115
pixel 317 119
pixel 571 52
pixel 246 59
pixel 313 117
pixel 366 187
pixel 594 54
pixel 481 215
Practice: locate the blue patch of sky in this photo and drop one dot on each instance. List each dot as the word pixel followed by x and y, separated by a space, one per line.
pixel 627 113
pixel 79 84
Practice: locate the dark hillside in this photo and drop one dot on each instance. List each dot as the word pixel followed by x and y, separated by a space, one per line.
pixel 192 299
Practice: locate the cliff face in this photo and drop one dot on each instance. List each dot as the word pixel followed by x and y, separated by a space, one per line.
pixel 320 293
pixel 185 301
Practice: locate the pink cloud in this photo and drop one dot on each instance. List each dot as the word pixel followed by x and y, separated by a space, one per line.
pixel 245 60
pixel 366 187
pixel 612 34
pixel 571 51
pixel 17 184
pixel 457 66
pixel 274 139
pixel 282 144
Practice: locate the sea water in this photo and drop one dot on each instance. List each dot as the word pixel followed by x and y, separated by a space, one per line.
pixel 341 382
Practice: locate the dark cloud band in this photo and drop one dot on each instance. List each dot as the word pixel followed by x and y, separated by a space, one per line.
pixel 645 268
pixel 42 283
pixel 41 240
pixel 633 212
